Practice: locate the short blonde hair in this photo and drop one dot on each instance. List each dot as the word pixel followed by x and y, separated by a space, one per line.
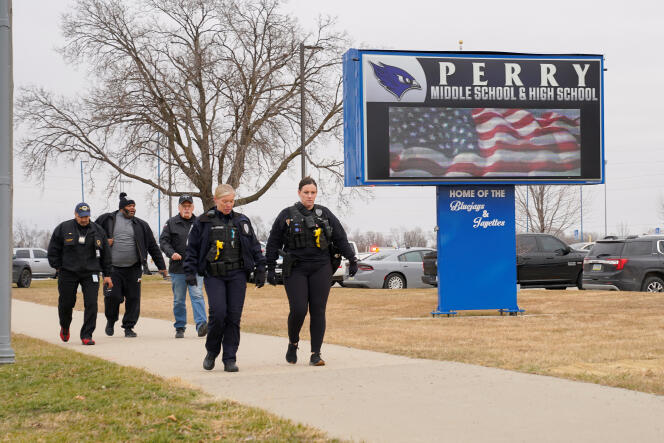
pixel 223 189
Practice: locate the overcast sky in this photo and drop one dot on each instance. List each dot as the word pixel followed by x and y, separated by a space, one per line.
pixel 628 34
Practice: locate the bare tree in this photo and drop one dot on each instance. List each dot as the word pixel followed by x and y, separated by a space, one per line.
pixel 26 236
pixel 261 227
pixel 622 229
pixel 212 85
pixel 547 208
pixel 365 240
pixel 414 238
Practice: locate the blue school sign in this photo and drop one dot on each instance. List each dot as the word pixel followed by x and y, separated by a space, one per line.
pixel 473 125
pixel 476 248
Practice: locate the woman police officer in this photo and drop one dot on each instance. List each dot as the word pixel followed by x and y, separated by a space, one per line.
pixel 223 248
pixel 306 231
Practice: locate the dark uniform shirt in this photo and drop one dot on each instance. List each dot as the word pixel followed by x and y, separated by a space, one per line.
pixel 174 239
pixel 65 250
pixel 279 239
pixel 195 261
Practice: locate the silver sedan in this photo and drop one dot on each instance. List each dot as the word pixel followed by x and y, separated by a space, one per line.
pixel 390 269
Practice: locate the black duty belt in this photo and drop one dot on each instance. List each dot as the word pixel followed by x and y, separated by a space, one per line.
pixel 219 269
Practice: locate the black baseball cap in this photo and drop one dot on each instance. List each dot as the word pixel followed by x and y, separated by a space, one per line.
pixel 82 210
pixel 185 198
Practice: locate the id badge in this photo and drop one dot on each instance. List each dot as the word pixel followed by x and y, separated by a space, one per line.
pixel 97 253
pixel 95 278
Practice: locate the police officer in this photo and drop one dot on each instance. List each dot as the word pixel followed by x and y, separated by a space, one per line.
pixel 130 239
pixel 311 237
pixel 79 252
pixel 173 241
pixel 223 248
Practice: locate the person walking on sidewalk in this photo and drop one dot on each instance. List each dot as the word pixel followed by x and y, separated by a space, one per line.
pixel 173 241
pixel 130 239
pixel 79 252
pixel 224 249
pixel 310 235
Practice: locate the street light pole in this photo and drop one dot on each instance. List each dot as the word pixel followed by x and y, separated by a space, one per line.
pixel 302 126
pixel 158 194
pixel 6 178
pixel 302 153
pixel 581 188
pixel 605 200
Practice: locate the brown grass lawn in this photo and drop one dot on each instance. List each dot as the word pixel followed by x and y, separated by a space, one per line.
pixel 610 338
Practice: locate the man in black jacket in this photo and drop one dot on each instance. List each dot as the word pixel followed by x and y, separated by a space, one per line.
pixel 130 239
pixel 79 251
pixel 173 241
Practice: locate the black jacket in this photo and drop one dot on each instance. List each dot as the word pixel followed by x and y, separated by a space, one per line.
pixel 174 239
pixel 145 242
pixel 65 252
pixel 195 261
pixel 279 239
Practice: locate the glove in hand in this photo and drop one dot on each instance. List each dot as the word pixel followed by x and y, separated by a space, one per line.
pixel 272 277
pixel 259 277
pixel 191 280
pixel 352 267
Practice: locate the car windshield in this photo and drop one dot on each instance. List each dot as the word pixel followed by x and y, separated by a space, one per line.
pixel 607 248
pixel 380 255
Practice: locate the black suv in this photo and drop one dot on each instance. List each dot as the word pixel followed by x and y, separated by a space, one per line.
pixel 542 261
pixel 628 264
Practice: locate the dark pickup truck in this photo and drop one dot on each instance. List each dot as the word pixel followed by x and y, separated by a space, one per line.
pixel 542 261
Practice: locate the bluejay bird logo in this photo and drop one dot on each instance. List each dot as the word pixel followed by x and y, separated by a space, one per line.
pixel 394 79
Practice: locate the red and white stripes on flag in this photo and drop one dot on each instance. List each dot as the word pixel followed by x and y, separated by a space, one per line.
pixel 504 142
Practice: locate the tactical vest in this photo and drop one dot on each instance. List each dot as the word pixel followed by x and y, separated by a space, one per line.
pixel 310 231
pixel 224 250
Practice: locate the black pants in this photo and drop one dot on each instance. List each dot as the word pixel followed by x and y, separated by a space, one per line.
pixel 226 301
pixel 308 286
pixel 127 288
pixel 68 282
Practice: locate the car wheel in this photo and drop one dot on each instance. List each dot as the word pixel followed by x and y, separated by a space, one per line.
pixel 579 281
pixel 24 279
pixel 653 284
pixel 394 281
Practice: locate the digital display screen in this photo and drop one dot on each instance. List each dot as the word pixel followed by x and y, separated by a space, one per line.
pixel 484 142
pixel 465 118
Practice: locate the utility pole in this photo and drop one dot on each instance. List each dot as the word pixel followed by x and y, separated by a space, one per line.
pixel 6 178
pixel 303 154
pixel 170 187
pixel 158 193
pixel 581 189
pixel 82 191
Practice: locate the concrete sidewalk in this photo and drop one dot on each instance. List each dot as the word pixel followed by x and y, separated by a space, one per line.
pixel 363 395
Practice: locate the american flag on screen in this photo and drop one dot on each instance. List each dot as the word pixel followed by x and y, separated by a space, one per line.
pixel 484 142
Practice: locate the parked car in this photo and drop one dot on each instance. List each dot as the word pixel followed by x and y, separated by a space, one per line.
pixel 338 276
pixel 429 268
pixel 38 260
pixel 628 264
pixel 390 269
pixel 21 272
pixel 542 261
pixel 583 246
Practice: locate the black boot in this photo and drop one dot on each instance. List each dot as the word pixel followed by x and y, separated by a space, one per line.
pixel 230 366
pixel 109 328
pixel 208 362
pixel 291 353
